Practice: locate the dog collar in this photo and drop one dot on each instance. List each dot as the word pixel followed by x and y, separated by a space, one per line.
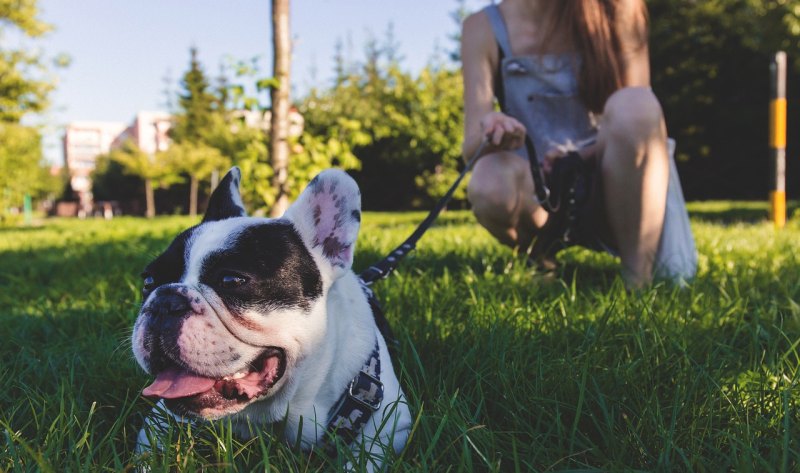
pixel 363 396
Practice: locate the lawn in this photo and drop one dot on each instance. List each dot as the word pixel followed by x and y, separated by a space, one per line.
pixel 505 369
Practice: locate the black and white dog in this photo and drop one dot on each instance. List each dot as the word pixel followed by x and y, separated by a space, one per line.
pixel 263 321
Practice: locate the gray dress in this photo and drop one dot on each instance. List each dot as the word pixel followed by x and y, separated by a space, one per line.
pixel 542 93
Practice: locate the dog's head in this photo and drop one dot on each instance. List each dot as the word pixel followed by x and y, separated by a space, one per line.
pixel 234 304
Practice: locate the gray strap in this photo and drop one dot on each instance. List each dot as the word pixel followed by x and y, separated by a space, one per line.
pixel 499 28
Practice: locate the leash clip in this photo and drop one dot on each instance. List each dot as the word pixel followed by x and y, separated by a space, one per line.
pixel 374 405
pixel 545 202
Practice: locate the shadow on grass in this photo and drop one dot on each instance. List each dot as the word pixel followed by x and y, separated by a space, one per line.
pixel 726 212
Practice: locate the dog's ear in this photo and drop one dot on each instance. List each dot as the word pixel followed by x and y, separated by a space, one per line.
pixel 328 215
pixel 225 201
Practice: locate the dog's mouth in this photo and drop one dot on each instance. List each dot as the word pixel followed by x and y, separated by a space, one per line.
pixel 192 393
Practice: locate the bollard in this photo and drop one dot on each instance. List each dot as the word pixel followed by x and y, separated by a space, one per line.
pixel 777 139
pixel 27 209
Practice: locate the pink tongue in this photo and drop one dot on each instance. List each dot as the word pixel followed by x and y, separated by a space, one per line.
pixel 174 383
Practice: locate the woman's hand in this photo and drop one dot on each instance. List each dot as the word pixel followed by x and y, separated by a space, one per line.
pixel 587 153
pixel 502 131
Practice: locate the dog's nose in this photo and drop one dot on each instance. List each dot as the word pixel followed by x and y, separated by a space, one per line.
pixel 170 305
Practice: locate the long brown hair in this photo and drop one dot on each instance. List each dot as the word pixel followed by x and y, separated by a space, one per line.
pixel 593 26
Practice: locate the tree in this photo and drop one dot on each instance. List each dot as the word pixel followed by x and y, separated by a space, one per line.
pixel 201 114
pixel 23 91
pixel 249 147
pixel 20 170
pixel 405 130
pixel 279 129
pixel 198 161
pixel 152 169
pixel 196 105
pixel 710 64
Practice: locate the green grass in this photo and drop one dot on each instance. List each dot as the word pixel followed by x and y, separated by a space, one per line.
pixel 505 369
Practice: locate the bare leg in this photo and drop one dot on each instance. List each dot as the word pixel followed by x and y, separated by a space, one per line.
pixel 635 173
pixel 501 193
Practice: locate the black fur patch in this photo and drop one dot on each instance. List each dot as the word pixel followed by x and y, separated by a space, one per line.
pixel 223 204
pixel 279 270
pixel 170 265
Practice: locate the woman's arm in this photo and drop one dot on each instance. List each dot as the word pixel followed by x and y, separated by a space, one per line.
pixel 632 24
pixel 479 56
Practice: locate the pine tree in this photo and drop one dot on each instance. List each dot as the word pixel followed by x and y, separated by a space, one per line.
pixel 198 110
pixel 195 105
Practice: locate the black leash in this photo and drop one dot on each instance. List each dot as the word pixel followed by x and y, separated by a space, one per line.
pixel 541 189
pixel 385 267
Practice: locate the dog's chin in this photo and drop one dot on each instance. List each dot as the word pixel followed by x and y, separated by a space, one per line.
pixel 190 394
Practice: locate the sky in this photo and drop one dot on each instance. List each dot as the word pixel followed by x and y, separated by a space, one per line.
pixel 122 51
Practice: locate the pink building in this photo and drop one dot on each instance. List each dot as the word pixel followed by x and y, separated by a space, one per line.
pixel 84 141
pixel 148 131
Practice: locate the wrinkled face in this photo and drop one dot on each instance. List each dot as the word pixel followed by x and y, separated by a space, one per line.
pixel 234 304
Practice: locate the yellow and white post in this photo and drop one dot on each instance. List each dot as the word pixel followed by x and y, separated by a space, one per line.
pixel 777 140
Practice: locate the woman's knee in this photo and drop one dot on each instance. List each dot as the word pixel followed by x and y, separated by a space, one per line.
pixel 491 202
pixel 633 113
pixel 494 190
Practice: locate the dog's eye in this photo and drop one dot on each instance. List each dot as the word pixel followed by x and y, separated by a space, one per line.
pixel 232 281
pixel 149 284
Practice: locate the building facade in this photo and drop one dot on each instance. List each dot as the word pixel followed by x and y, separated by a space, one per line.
pixel 84 141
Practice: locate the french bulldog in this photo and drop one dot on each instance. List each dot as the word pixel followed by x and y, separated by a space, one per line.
pixel 263 321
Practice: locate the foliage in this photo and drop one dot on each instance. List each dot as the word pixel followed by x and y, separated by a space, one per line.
pixel 710 65
pixel 245 147
pixel 21 168
pixel 248 146
pixel 154 170
pixel 402 127
pixel 146 166
pixel 24 90
pixel 111 182
pixel 505 369
pixel 195 159
pixel 196 105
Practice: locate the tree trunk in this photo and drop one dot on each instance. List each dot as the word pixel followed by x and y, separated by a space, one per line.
pixel 279 129
pixel 192 195
pixel 150 198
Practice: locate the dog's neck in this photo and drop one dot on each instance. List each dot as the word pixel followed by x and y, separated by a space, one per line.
pixel 349 340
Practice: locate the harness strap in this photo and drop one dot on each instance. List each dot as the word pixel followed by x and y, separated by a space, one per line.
pixel 363 396
pixel 380 318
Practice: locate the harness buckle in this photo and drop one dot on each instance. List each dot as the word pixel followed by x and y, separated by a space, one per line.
pixel 372 405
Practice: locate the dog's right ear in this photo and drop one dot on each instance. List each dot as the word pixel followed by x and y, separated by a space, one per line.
pixel 327 215
pixel 226 201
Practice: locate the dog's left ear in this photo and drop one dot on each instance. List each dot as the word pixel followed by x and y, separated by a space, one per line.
pixel 328 215
pixel 226 201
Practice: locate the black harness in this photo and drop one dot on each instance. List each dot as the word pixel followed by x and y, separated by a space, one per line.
pixel 363 396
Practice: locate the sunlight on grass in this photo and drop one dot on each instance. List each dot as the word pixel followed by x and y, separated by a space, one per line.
pixel 505 369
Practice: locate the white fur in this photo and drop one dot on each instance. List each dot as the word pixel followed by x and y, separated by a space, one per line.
pixel 211 236
pixel 325 346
